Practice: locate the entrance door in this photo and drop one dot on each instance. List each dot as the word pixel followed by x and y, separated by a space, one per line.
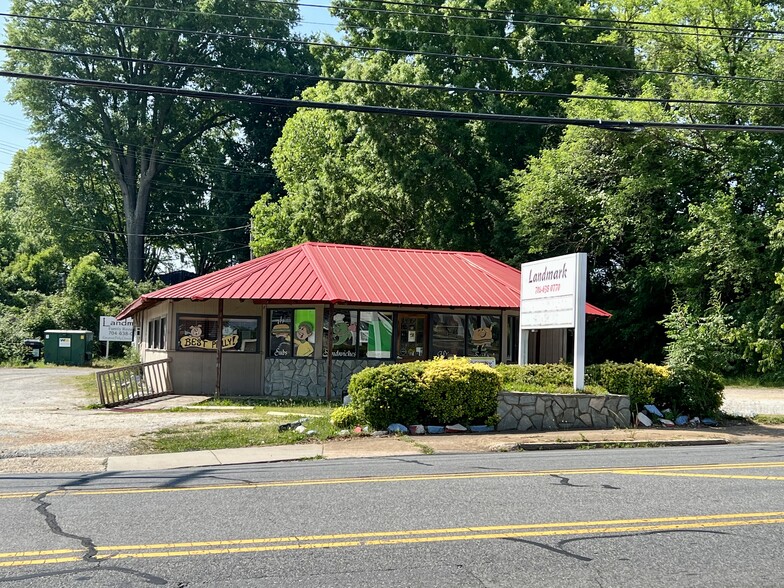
pixel 411 337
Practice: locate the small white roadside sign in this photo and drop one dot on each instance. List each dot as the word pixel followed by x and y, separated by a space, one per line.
pixel 552 296
pixel 113 330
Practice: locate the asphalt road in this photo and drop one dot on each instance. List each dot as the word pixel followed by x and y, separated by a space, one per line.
pixel 694 516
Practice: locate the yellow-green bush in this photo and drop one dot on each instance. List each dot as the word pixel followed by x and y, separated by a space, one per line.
pixel 345 417
pixel 458 391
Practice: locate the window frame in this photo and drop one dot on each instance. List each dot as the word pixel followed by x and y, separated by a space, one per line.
pixel 214 317
pixel 270 352
pixel 156 333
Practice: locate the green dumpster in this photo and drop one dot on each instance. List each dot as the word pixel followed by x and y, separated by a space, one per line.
pixel 68 347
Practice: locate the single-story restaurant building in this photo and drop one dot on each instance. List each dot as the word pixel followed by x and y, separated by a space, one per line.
pixel 300 322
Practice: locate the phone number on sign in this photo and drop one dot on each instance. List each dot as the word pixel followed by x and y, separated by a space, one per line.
pixel 547 289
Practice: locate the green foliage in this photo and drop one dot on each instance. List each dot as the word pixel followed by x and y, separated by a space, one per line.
pixel 11 336
pixel 388 394
pixel 553 389
pixel 704 342
pixel 547 376
pixel 678 214
pixel 458 391
pixel 643 383
pixel 694 391
pixel 403 181
pixel 439 391
pixel 136 140
pixel 345 417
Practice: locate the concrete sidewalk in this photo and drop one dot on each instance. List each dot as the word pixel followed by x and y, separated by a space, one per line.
pixel 215 457
pixel 392 445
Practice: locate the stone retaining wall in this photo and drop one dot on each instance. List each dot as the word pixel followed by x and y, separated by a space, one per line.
pixel 520 411
pixel 306 378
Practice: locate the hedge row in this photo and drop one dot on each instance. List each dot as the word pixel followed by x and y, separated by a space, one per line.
pixel 448 391
pixel 442 391
pixel 686 391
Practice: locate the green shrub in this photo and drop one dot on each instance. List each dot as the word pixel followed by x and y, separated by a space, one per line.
pixel 345 417
pixel 551 378
pixel 388 394
pixel 694 392
pixel 643 383
pixel 553 375
pixel 550 389
pixel 458 391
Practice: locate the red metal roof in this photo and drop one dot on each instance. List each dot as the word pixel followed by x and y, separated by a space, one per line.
pixel 338 274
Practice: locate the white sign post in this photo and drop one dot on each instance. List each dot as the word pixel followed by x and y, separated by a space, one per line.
pixel 552 296
pixel 113 330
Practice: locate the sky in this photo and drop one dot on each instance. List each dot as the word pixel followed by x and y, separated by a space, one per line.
pixel 13 125
pixel 14 132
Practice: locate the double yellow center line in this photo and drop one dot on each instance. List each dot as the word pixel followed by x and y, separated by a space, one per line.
pixel 386 538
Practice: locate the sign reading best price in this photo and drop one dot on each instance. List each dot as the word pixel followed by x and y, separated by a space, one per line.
pixel 113 330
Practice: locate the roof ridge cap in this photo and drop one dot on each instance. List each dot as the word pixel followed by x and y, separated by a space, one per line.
pixel 306 249
pixel 251 268
pixel 464 256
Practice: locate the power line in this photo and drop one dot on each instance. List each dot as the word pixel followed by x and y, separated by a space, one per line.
pixel 504 60
pixel 614 125
pixel 124 234
pixel 407 85
pixel 533 14
pixel 378 29
pixel 504 21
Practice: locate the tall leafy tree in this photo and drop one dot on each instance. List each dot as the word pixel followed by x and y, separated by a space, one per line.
pixel 137 133
pixel 72 204
pixel 388 180
pixel 678 217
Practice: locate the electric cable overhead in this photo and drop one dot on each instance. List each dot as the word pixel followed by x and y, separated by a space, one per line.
pixel 479 58
pixel 505 21
pixel 406 85
pixel 627 125
pixel 345 26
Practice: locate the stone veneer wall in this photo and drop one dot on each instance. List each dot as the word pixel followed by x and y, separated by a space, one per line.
pixel 519 411
pixel 306 378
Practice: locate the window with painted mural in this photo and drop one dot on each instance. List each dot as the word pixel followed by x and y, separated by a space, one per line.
pixel 200 333
pixel 292 332
pixel 449 335
pixel 344 333
pixel 375 334
pixel 484 336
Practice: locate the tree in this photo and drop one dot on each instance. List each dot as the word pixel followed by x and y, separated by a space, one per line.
pixel 676 213
pixel 71 204
pixel 388 180
pixel 140 134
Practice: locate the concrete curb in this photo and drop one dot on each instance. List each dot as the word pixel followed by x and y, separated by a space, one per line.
pixel 611 444
pixel 217 457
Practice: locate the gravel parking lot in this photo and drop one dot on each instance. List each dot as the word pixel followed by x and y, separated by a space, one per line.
pixel 752 401
pixel 42 417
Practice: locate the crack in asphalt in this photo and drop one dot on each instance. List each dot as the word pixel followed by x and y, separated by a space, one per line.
pixel 414 461
pixel 561 551
pixel 564 481
pixel 54 526
pixel 147 578
pixel 642 534
pixel 549 548
pixel 91 551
